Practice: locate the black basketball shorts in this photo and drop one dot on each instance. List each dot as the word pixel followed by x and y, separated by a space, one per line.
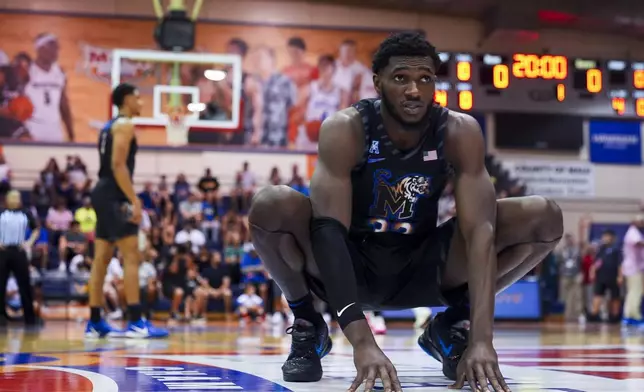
pixel 112 217
pixel 601 287
pixel 415 285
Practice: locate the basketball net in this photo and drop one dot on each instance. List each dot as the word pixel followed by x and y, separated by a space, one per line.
pixel 177 128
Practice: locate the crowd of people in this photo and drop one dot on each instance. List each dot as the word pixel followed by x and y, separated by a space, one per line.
pixel 197 255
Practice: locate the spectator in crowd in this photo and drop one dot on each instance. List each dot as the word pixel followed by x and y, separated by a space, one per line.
pixel 216 282
pixel 607 275
pixel 253 271
pixel 191 209
pixel 190 236
pixel 86 216
pixel 210 224
pixel 633 270
pixel 174 282
pixel 76 171
pixel 250 306
pixel 5 176
pixel 73 242
pixel 446 204
pixel 41 199
pixel 181 188
pixel 113 288
pixel 570 277
pixel 148 283
pixel 248 184
pixel 148 197
pixel 587 261
pixel 208 183
pixel 51 174
pixel 59 218
pixel 299 185
pixel 274 178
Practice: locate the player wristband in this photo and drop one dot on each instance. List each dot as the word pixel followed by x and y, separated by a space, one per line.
pixel 328 239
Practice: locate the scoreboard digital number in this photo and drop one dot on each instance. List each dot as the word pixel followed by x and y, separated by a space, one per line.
pixel 547 83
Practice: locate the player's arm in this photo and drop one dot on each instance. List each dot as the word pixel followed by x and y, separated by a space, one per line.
pixel 476 206
pixel 66 114
pixel 339 149
pixel 122 135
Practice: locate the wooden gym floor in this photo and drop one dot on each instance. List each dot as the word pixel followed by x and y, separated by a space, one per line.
pixel 218 357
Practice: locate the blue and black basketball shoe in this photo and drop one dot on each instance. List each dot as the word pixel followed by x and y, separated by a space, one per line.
pixel 308 346
pixel 446 342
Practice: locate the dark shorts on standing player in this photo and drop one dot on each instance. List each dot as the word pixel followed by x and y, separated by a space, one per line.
pixel 112 216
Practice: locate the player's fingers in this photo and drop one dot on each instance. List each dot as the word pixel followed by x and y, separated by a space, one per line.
pixel 494 380
pixel 386 380
pixel 480 377
pixel 471 379
pixel 395 382
pixel 371 379
pixel 356 382
pixel 501 379
pixel 460 381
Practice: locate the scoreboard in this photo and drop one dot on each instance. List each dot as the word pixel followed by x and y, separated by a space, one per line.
pixel 533 83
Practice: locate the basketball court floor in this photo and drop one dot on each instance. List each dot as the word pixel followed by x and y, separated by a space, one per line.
pixel 225 357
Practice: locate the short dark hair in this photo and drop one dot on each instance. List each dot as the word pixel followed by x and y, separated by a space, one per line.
pixel 121 92
pixel 410 44
pixel 241 44
pixel 609 232
pixel 326 59
pixel 297 42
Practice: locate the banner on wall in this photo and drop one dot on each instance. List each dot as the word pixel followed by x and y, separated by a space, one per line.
pixel 615 142
pixel 291 80
pixel 554 178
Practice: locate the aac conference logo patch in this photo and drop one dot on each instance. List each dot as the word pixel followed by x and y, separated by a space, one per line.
pixel 155 376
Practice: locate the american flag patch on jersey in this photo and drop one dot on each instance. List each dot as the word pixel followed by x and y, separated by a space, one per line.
pixel 430 155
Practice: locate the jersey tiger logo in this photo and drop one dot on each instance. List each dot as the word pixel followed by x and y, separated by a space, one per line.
pixel 397 200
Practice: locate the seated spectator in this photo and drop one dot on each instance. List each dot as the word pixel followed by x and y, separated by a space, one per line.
pixel 250 306
pixel 203 260
pixel 298 185
pixel 13 306
pixel 191 209
pixel 208 183
pixel 58 221
pixel 174 283
pixel 195 310
pixel 148 283
pixel 51 175
pixel 86 216
pixel 253 271
pixel 275 178
pixel 181 188
pixel 113 289
pixel 210 224
pixel 296 178
pixel 41 198
pixel 147 197
pixel 190 236
pixel 215 282
pixel 72 243
pixel 80 265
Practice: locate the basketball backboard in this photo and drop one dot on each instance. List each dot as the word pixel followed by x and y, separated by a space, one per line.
pixel 207 87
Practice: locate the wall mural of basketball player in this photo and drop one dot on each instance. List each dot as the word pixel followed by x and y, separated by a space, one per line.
pixel 323 97
pixel 301 73
pixel 15 108
pixel 47 91
pixel 349 71
pixel 280 96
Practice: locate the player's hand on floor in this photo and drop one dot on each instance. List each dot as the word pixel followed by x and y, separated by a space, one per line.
pixel 479 366
pixel 371 364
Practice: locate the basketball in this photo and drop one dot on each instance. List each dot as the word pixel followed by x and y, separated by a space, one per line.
pixel 313 129
pixel 21 108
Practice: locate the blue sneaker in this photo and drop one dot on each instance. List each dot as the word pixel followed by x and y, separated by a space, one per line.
pixel 628 322
pixel 143 329
pixel 101 329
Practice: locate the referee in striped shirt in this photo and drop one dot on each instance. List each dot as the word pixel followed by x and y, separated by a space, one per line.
pixel 14 221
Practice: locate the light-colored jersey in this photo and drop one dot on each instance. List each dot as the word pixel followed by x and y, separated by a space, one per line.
pixel 45 90
pixel 321 104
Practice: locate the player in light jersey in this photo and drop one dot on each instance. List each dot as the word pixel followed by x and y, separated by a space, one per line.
pixel 324 97
pixel 47 91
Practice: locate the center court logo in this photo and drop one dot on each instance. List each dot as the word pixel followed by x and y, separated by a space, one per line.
pixel 152 378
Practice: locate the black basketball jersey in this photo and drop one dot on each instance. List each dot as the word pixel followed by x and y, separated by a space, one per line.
pixel 105 146
pixel 396 193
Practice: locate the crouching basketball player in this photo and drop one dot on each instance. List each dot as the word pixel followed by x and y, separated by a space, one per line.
pixel 367 237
